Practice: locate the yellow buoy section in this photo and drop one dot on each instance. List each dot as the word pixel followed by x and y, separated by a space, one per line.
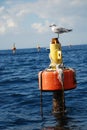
pixel 55 52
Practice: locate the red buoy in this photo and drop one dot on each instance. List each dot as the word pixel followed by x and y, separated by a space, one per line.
pixel 48 80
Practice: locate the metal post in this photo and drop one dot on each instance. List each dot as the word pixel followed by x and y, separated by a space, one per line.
pixel 58 102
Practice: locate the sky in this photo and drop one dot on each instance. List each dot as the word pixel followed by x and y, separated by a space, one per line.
pixel 26 22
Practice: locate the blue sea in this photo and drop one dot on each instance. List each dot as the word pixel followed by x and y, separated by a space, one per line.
pixel 20 95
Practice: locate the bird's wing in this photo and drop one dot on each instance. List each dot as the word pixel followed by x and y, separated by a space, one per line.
pixel 60 30
pixel 55 29
pixel 63 30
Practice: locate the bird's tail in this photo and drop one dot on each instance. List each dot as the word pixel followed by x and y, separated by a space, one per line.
pixel 69 30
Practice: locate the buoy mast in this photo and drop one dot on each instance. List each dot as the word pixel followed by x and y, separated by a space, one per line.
pixel 56 60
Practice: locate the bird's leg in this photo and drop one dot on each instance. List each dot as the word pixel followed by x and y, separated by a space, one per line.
pixel 58 35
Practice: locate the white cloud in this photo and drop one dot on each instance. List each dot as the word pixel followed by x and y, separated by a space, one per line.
pixel 2 29
pixel 41 28
pixel 6 20
pixel 61 12
pixel 38 27
pixel 1 9
pixel 10 23
pixel 21 12
pixel 78 2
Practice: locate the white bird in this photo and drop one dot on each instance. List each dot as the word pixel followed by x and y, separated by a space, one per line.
pixel 57 30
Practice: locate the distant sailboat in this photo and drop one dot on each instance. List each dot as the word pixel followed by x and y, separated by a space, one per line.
pixel 38 47
pixel 14 48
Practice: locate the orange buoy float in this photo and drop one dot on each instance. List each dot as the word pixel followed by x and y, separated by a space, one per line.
pixel 49 81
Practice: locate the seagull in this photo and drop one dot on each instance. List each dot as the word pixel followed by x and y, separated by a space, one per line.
pixel 57 30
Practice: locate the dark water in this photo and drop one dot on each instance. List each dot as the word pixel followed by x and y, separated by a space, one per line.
pixel 20 96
